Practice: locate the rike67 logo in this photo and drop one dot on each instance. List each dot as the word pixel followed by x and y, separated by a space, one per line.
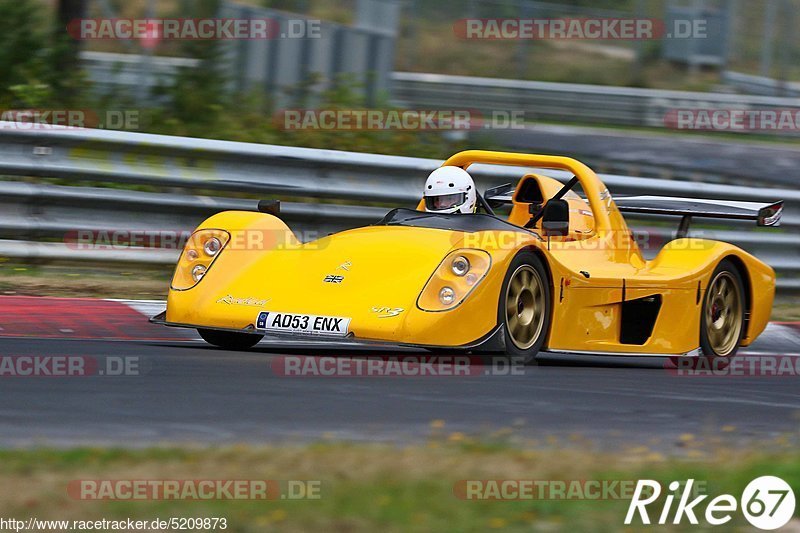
pixel 767 502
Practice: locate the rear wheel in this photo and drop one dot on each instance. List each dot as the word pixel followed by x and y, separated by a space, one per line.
pixel 230 340
pixel 524 307
pixel 722 319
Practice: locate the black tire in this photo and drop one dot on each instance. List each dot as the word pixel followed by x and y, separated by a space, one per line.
pixel 721 350
pixel 516 350
pixel 230 340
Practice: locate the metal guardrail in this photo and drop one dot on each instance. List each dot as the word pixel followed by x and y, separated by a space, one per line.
pixel 32 213
pixel 760 85
pixel 569 102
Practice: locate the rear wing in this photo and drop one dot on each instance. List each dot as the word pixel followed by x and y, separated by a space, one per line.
pixel 763 214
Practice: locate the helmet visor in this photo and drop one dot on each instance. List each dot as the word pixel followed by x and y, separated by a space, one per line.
pixel 445 201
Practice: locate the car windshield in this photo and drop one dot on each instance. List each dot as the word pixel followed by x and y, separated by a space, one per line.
pixel 454 222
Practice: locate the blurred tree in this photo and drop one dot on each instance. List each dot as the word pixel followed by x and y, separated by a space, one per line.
pixel 198 95
pixel 21 46
pixel 64 58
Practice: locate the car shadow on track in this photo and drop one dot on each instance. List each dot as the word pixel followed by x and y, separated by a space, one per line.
pixel 323 351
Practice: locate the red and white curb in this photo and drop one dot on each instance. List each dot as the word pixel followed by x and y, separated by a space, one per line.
pixel 148 308
pixel 83 318
pixel 91 318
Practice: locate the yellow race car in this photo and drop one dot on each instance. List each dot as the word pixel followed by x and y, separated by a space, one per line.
pixel 560 272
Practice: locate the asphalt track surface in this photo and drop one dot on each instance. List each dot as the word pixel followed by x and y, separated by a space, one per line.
pixel 188 392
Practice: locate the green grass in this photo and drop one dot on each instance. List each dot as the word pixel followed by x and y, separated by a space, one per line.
pixel 786 310
pixel 80 281
pixel 368 487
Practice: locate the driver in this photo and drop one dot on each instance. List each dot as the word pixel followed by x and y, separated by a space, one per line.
pixel 450 190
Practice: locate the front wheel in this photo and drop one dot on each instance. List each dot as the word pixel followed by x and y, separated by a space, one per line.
pixel 722 321
pixel 524 308
pixel 230 340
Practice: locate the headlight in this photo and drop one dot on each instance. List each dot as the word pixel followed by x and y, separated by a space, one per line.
pixel 460 266
pixel 200 252
pixel 454 279
pixel 212 247
pixel 447 296
pixel 198 272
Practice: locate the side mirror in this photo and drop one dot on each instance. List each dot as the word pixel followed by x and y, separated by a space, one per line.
pixel 270 207
pixel 555 219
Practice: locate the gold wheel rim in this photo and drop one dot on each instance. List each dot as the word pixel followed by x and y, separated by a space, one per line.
pixel 525 307
pixel 723 314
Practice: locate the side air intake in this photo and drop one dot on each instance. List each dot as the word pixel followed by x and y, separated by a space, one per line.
pixel 639 319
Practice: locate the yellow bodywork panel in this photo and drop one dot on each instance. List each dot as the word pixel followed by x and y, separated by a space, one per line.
pixel 386 278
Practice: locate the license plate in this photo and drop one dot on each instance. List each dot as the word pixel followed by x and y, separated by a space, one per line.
pixel 303 324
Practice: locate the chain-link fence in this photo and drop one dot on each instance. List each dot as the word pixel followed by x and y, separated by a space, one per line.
pixel 753 37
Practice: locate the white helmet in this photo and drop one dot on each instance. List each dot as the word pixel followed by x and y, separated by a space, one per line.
pixel 450 190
